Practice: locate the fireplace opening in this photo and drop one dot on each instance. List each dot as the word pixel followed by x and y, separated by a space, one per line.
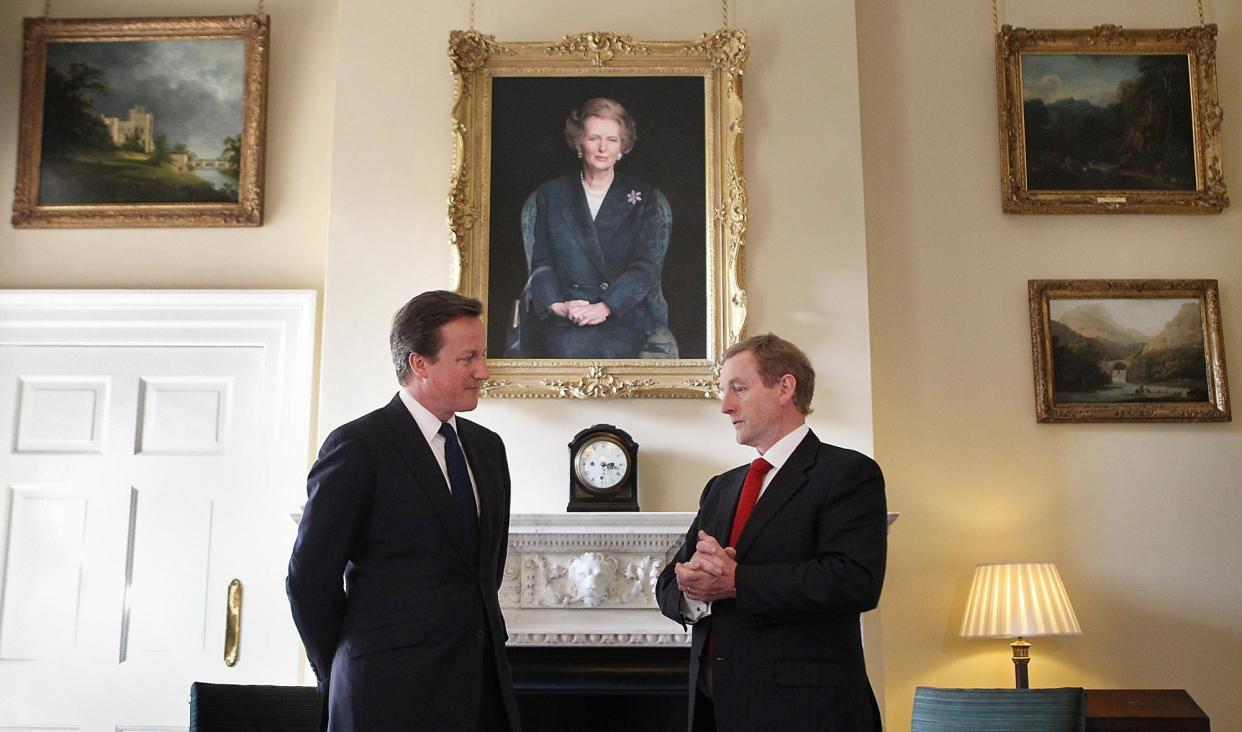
pixel 602 689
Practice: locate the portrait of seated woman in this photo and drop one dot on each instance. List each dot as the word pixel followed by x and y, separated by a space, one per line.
pixel 595 242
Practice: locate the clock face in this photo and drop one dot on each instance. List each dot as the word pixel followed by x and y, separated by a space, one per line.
pixel 602 464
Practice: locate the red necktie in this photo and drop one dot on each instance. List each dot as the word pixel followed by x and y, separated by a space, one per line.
pixel 745 505
pixel 750 494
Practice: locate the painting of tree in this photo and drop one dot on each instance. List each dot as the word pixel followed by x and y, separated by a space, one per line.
pixel 1107 121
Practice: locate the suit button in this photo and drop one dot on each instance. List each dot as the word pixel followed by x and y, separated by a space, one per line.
pixel 478 634
pixel 604 286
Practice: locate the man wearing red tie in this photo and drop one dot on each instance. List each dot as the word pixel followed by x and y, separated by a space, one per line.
pixel 783 556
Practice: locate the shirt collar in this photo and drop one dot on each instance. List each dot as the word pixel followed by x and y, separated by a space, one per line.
pixel 428 423
pixel 780 451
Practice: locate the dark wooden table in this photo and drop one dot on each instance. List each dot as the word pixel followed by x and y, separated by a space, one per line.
pixel 1144 710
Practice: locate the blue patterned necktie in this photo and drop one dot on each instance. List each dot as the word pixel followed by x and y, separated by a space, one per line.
pixel 463 493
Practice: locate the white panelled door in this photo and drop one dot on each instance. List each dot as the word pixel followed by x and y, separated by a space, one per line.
pixel 150 457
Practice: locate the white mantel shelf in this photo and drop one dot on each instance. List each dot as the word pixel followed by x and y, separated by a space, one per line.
pixel 618 522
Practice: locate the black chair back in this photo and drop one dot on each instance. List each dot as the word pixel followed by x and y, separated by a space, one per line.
pixel 240 708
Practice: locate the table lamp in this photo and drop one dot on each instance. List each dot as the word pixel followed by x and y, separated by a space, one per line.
pixel 1019 600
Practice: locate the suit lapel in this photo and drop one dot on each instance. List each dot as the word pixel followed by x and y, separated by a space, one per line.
pixel 410 444
pixel 615 209
pixel 579 215
pixel 788 481
pixel 730 491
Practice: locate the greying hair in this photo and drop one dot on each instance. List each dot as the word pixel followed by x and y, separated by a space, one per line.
pixel 604 108
pixel 775 357
pixel 416 326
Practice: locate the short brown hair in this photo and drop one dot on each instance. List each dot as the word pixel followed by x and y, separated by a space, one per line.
pixel 776 357
pixel 416 326
pixel 605 108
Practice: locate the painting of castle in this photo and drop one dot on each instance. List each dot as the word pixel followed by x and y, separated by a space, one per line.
pixel 139 127
pixel 149 121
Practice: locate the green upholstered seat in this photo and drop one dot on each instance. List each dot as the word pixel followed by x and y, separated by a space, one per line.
pixel 998 710
pixel 242 708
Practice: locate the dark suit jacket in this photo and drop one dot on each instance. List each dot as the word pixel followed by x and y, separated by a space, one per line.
pixel 402 645
pixel 613 258
pixel 788 649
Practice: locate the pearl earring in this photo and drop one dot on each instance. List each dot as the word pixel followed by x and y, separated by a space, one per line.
pixel 618 156
pixel 579 154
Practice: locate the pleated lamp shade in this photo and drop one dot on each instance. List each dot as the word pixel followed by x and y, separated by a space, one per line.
pixel 1018 601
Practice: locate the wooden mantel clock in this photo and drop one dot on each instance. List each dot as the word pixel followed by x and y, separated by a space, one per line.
pixel 603 470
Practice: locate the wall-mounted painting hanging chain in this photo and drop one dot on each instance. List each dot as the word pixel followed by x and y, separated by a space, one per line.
pixel 996 16
pixel 724 12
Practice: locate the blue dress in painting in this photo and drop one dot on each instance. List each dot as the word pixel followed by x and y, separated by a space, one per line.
pixel 615 259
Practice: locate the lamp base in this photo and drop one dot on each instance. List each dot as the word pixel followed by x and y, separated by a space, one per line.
pixel 1021 659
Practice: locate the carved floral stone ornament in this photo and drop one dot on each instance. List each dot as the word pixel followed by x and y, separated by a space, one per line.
pixel 508 120
pixel 591 579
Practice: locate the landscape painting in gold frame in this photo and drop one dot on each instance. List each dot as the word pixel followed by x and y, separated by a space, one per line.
pixel 142 122
pixel 1128 351
pixel 660 259
pixel 1109 120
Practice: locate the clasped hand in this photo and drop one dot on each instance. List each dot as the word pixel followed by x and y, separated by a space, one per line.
pixel 581 312
pixel 711 574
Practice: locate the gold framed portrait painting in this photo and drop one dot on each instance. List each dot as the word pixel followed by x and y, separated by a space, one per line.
pixel 154 122
pixel 598 209
pixel 1109 120
pixel 1128 351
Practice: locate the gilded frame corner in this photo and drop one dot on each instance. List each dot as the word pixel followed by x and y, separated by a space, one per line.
pixel 30 212
pixel 1197 44
pixel 1213 408
pixel 717 58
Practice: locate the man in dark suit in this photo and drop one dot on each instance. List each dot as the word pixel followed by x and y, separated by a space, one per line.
pixel 781 559
pixel 410 505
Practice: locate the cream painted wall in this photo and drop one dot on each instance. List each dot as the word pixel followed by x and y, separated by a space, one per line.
pixel 1141 519
pixel 388 236
pixel 286 252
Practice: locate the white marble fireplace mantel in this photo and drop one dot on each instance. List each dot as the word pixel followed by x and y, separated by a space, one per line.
pixel 588 579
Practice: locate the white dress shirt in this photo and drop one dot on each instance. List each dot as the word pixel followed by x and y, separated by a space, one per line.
pixel 429 425
pixel 777 455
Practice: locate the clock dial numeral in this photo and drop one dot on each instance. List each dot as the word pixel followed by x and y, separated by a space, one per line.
pixel 602 464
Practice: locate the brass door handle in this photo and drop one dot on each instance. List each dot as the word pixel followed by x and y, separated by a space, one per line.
pixel 232 623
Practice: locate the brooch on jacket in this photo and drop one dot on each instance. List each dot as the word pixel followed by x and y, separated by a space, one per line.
pixel 633 197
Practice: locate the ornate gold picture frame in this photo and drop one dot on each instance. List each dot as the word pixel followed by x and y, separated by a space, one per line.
pixel 662 248
pixel 142 122
pixel 1128 351
pixel 1109 120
